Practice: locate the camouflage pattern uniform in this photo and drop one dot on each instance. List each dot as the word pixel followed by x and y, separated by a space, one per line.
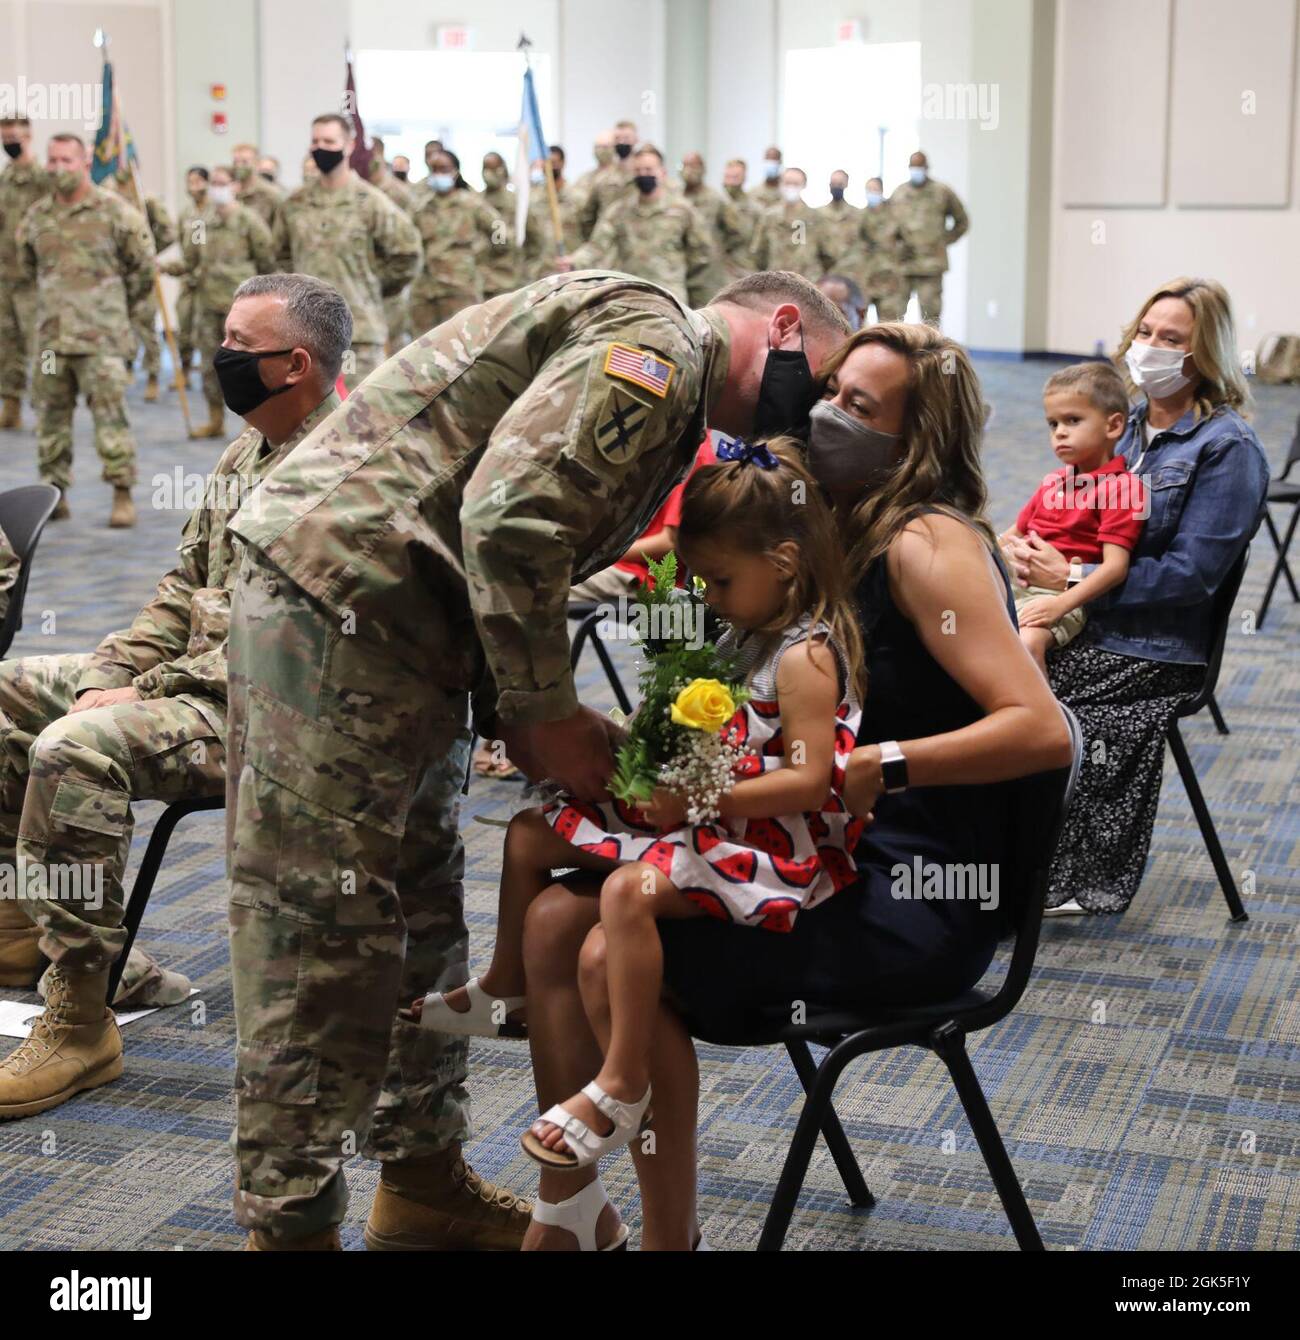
pixel 21 186
pixel 256 193
pixel 460 232
pixel 397 306
pixel 537 258
pixel 793 237
pixel 659 240
pixel 188 284
pixel 604 188
pixel 67 781
pixel 875 261
pixel 748 213
pixel 767 194
pixel 839 224
pixel 92 263
pixel 10 566
pixel 356 239
pixel 418 548
pixel 501 272
pixel 922 214
pixel 144 315
pixel 728 234
pixel 220 256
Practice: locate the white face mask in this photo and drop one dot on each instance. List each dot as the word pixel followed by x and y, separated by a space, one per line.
pixel 791 194
pixel 1159 372
pixel 874 198
pixel 917 174
pixel 221 195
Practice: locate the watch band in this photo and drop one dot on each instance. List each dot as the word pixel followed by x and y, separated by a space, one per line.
pixel 1075 575
pixel 893 767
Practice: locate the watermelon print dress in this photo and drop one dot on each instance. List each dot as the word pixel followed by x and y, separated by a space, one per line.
pixel 757 872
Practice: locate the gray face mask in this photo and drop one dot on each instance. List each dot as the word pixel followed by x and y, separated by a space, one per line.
pixel 844 453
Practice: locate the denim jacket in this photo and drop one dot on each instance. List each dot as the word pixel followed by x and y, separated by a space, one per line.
pixel 1207 480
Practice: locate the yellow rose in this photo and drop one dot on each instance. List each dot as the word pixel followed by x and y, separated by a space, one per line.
pixel 704 704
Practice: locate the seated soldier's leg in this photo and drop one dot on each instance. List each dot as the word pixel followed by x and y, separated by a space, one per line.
pixel 428 1198
pixel 34 691
pixel 73 840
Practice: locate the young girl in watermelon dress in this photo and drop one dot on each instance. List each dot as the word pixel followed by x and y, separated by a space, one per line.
pixel 754 527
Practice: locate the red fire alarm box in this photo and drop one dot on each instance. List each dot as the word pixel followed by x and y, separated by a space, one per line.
pixel 219 124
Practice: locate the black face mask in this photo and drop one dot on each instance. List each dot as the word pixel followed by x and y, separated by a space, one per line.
pixel 786 393
pixel 646 184
pixel 242 387
pixel 401 176
pixel 267 176
pixel 327 159
pixel 837 193
pixel 622 150
pixel 13 150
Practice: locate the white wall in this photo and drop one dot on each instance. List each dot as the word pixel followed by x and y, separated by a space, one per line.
pixel 1105 259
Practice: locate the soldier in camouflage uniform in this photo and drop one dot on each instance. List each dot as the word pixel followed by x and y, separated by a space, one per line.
pixel 768 191
pixel 602 150
pixel 419 548
pixel 23 182
pixel 611 183
pixel 141 717
pixel 460 233
pixel 501 272
pixel 791 236
pixel 839 219
pixel 876 257
pixel 232 245
pixel 726 231
pixel 255 192
pixel 196 187
pixel 748 210
pixel 397 306
pixel 651 236
pixel 340 229
pixel 538 256
pixel 144 315
pixel 922 208
pixel 92 260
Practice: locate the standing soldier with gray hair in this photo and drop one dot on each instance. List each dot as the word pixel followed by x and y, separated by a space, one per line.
pixel 23 182
pixel 143 717
pixel 340 229
pixel 92 260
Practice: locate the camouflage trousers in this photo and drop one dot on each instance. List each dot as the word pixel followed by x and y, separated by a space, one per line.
pixel 185 342
pixel 209 330
pixel 66 787
pixel 101 379
pixel 929 293
pixel 17 324
pixel 885 292
pixel 426 312
pixel 347 758
pixel 144 321
pixel 397 315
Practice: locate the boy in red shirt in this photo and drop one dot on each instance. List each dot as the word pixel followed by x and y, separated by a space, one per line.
pixel 1092 509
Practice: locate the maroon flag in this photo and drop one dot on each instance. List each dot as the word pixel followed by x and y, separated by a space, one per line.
pixel 361 152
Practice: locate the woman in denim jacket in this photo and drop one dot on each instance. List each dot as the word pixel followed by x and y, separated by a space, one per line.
pixel 1145 646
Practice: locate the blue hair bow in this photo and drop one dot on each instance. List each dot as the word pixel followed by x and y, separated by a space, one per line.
pixel 748 453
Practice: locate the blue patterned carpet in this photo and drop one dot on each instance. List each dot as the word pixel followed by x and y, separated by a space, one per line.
pixel 1172 1124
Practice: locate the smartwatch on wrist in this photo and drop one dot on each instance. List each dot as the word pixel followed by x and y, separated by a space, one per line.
pixel 1075 575
pixel 893 767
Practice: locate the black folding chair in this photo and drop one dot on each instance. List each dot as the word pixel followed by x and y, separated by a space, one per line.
pixel 1282 490
pixel 589 618
pixel 1038 805
pixel 23 514
pixel 1224 598
pixel 149 868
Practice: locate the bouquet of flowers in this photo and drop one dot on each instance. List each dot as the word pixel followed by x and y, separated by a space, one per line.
pixel 690 693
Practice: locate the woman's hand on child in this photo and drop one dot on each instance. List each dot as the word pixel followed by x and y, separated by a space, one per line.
pixel 1040 612
pixel 665 809
pixel 864 781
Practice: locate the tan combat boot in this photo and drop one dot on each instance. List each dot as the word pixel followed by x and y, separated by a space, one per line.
pixel 123 514
pixel 151 388
pixel 62 512
pixel 21 961
pixel 440 1204
pixel 215 426
pixel 11 415
pixel 327 1240
pixel 74 1045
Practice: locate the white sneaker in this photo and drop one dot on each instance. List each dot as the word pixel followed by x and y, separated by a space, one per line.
pixel 1070 909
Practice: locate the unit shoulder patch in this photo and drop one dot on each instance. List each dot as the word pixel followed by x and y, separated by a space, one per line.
pixel 640 367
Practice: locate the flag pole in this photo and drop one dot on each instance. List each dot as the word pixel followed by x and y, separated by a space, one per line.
pixel 552 198
pixel 101 40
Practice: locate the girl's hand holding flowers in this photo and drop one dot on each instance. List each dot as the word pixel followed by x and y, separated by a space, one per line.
pixel 665 809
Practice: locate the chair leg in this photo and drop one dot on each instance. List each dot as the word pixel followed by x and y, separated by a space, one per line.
pixel 950 1044
pixel 1206 824
pixel 811 1120
pixel 611 674
pixel 1281 567
pixel 832 1132
pixel 1219 724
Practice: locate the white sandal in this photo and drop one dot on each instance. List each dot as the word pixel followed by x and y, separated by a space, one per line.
pixel 478 1020
pixel 578 1215
pixel 585 1147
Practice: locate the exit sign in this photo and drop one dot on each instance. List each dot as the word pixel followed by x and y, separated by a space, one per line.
pixel 453 37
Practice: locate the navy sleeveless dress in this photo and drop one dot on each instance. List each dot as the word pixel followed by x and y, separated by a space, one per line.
pixel 865 946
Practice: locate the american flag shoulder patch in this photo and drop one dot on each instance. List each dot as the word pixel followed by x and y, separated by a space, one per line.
pixel 640 367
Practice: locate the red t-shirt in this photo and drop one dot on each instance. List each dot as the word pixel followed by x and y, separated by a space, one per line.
pixel 669 513
pixel 1078 513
